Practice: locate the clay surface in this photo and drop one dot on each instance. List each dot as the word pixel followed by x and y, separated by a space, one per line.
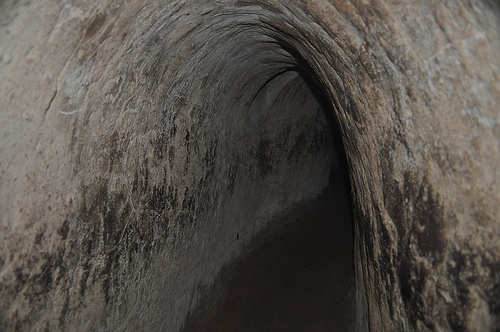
pixel 138 139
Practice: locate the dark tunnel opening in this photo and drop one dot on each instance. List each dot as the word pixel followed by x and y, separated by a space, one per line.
pixel 298 273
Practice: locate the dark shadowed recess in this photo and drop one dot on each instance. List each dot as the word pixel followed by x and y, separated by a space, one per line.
pixel 298 274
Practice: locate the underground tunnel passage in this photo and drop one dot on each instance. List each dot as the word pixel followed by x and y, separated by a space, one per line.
pixel 297 273
pixel 150 150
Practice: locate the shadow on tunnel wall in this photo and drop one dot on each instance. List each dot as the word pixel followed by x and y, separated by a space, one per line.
pixel 297 273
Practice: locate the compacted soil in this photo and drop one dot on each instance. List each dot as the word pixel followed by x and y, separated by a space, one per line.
pixel 298 277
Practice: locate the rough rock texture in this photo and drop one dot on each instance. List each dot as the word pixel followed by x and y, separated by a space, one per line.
pixel 142 144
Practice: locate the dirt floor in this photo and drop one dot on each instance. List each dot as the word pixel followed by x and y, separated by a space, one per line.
pixel 297 278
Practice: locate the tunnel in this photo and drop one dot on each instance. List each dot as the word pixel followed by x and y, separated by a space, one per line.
pixel 275 148
pixel 153 154
pixel 296 273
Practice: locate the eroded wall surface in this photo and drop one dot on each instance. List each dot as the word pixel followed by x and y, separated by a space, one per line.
pixel 139 140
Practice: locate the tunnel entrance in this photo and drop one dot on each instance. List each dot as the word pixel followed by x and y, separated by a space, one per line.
pixel 297 273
